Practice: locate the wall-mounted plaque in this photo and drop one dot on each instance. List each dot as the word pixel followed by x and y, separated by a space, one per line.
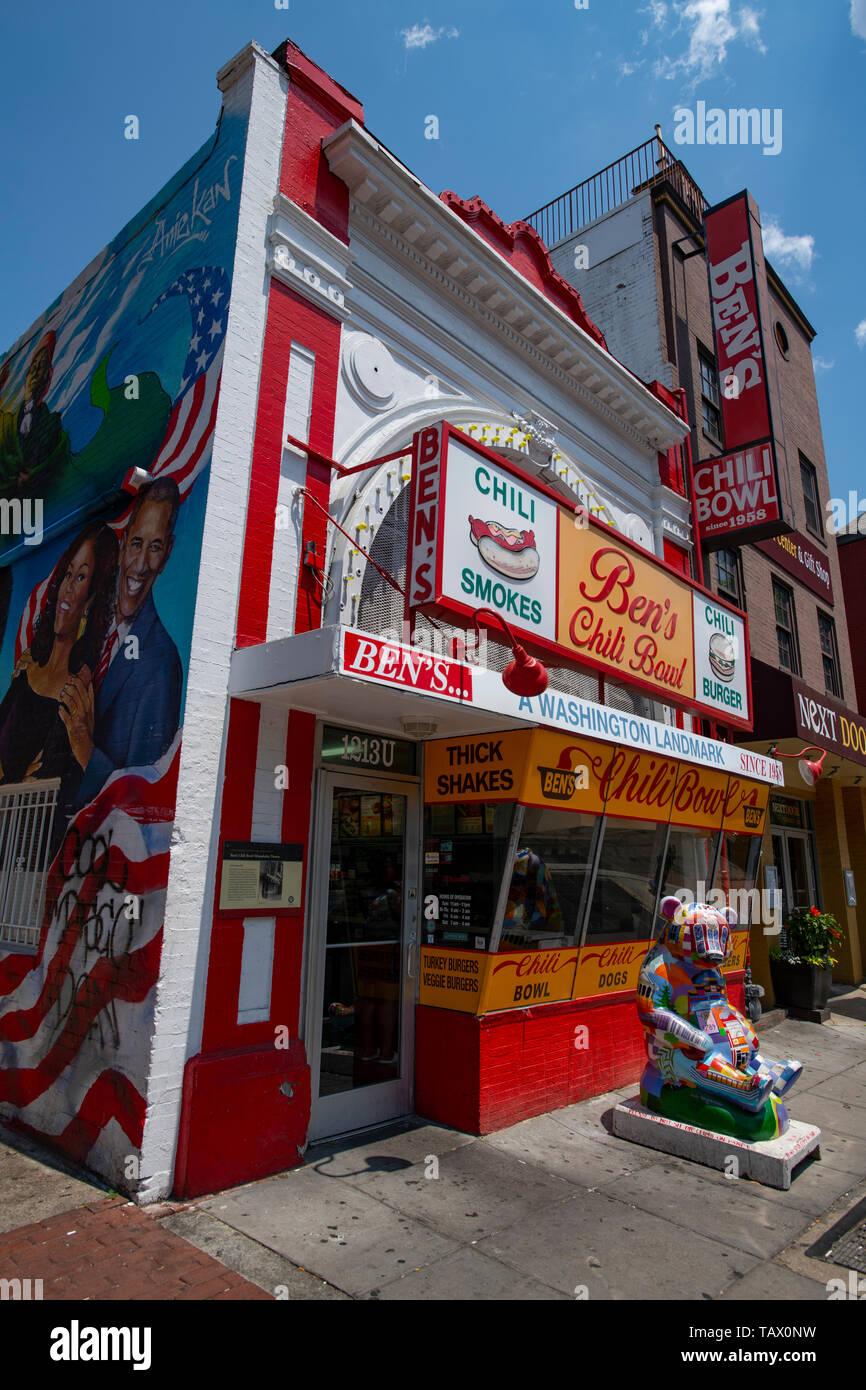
pixel 261 877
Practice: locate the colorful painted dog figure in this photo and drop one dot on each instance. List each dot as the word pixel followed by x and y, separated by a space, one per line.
pixel 703 1064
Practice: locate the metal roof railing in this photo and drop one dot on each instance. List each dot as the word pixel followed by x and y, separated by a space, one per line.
pixel 648 164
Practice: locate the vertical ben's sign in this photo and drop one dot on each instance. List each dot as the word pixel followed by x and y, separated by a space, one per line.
pixel 738 496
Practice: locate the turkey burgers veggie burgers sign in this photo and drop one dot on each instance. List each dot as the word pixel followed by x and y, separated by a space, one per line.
pixel 482 534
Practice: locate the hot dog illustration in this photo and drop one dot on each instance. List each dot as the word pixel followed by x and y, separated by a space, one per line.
pixel 511 553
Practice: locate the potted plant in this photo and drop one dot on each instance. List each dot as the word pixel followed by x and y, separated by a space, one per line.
pixel 802 964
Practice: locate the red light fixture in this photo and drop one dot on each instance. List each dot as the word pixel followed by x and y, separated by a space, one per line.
pixel 809 771
pixel 524 676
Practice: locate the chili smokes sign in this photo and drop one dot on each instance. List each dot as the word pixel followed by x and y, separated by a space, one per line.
pixel 738 496
pixel 483 534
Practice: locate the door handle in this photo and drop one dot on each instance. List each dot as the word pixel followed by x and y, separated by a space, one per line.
pixel 412 943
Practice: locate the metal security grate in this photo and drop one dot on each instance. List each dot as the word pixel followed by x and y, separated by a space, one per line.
pixel 850 1250
pixel 845 1243
pixel 26 821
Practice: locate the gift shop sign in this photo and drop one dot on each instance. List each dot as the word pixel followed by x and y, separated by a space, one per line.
pixel 738 496
pixel 805 561
pixel 483 534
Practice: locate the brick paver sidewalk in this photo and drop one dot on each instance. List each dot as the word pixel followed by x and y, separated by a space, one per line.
pixel 112 1250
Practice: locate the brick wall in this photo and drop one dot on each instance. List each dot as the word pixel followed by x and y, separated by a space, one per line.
pixel 618 288
pixel 690 315
pixel 484 1074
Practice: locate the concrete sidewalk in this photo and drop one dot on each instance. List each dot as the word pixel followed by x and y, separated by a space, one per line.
pixel 556 1207
pixel 553 1208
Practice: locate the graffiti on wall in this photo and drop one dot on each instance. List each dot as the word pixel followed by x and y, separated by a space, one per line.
pixel 122 374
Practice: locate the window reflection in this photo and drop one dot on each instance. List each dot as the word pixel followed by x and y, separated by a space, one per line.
pixel 738 869
pixel 624 894
pixel 465 853
pixel 548 879
pixel 689 864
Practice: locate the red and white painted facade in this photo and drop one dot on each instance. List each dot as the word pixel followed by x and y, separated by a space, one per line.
pixel 363 308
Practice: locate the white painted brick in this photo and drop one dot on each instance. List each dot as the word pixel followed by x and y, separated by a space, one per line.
pixel 254 83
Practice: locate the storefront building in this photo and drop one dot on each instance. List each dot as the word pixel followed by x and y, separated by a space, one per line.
pixel 317 849
pixel 686 296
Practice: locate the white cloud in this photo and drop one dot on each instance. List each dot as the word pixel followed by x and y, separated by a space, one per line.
pixel 792 251
pixel 713 26
pixel 858 18
pixel 626 69
pixel 860 333
pixel 822 365
pixel 420 35
pixel 657 10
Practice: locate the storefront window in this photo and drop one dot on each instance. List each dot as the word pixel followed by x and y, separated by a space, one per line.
pixel 689 864
pixel 548 879
pixel 465 851
pixel 624 893
pixel 738 869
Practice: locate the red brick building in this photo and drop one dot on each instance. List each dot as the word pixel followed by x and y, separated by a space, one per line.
pixel 632 240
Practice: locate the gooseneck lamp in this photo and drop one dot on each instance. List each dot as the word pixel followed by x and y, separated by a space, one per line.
pixel 809 771
pixel 524 675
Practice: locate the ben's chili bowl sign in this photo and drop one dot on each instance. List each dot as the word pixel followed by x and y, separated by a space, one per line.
pixel 622 611
pixel 482 534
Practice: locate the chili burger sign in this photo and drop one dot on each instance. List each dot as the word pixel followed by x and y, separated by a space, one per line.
pixel 483 534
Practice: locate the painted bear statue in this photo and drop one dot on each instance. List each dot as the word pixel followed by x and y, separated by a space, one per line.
pixel 703 1064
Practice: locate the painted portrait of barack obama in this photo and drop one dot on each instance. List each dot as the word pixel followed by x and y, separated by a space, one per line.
pixel 130 713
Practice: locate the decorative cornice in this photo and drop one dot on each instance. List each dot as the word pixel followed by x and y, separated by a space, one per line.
pixel 521 237
pixel 307 258
pixel 580 381
pixel 402 214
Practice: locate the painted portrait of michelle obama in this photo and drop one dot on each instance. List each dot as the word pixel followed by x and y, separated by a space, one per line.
pixel 35 714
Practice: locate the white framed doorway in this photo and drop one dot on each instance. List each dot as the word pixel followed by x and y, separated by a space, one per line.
pixel 363 952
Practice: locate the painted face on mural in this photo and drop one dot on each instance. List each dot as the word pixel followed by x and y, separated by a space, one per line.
pixel 144 555
pixel 38 377
pixel 74 591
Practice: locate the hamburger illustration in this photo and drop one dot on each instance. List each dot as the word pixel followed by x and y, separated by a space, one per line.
pixel 511 553
pixel 723 661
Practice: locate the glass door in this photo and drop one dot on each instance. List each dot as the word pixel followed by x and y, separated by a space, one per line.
pixel 363 954
pixel 793 858
pixel 799 860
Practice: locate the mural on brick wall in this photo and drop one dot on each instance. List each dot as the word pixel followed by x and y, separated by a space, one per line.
pixel 98 590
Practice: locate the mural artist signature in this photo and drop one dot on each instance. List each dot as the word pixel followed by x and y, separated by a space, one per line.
pixel 192 224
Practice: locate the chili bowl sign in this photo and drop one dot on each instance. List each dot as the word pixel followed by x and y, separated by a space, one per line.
pixel 738 496
pixel 484 534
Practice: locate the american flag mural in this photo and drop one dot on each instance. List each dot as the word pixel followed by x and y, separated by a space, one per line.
pixel 77 1016
pixel 184 452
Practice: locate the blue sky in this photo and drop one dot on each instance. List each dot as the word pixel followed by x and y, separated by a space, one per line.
pixel 531 99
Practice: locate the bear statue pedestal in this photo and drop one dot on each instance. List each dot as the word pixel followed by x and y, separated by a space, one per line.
pixel 769 1161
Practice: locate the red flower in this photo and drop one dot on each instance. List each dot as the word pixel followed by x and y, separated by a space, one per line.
pixel 814 911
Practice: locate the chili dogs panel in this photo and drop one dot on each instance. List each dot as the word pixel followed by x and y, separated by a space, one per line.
pixel 483 534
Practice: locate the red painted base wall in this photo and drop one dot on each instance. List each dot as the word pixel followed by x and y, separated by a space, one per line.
pixel 245 1116
pixel 483 1074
